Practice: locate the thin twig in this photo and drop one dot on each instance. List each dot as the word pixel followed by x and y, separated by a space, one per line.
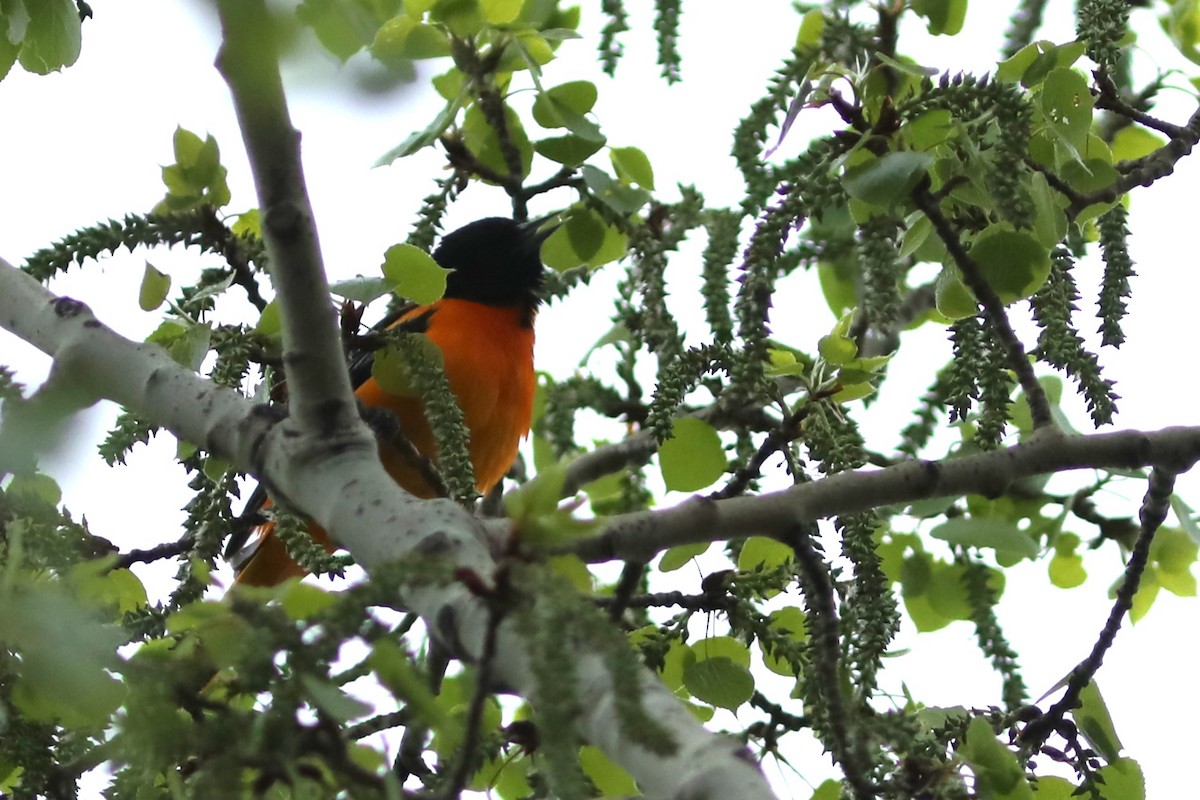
pixel 826 649
pixel 993 309
pixel 1154 512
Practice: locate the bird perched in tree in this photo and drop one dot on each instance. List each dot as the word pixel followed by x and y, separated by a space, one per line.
pixel 483 326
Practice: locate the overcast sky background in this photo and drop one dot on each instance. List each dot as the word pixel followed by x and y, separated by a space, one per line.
pixel 85 145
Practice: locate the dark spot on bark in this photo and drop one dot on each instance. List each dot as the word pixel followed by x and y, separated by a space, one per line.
pixel 933 473
pixel 66 307
pixel 435 543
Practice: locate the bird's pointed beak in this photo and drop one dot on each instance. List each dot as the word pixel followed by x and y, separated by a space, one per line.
pixel 542 227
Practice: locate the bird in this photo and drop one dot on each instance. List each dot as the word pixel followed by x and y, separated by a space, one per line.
pixel 484 327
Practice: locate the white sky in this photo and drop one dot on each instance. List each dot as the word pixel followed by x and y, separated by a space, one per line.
pixel 85 145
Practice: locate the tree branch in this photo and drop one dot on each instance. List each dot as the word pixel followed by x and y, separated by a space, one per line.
pixel 993 309
pixel 642 535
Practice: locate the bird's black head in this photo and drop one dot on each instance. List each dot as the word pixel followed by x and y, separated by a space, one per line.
pixel 496 261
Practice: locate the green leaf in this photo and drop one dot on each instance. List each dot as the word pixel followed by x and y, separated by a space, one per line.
pixel 1095 723
pixel 681 555
pixel 361 289
pixel 829 790
pixel 945 17
pixel 421 139
pixel 35 485
pixel 759 551
pixel 837 349
pixel 812 26
pixel 481 139
pixel 1133 142
pixel 621 198
pixel 402 38
pixel 396 671
pixel 1066 103
pixel 339 27
pixel 501 12
pixel 1052 787
pixel 719 682
pixel 414 274
pixel 64 654
pixel 1122 779
pixel 154 288
pixel 332 700
pixel 996 534
pixel 946 592
pixel 52 37
pixel 569 150
pixel 583 239
pixel 269 322
pixel 575 98
pixel 1014 264
pixel 997 772
pixel 722 647
pixel 301 601
pixel 1050 219
pixel 632 166
pixel 888 179
pixel 693 458
pixel 1067 571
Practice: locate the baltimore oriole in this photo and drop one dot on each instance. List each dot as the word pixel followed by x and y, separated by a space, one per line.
pixel 483 325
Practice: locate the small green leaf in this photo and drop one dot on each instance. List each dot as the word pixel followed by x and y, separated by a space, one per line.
pixel 301 601
pixel 680 555
pixel 829 790
pixel 1067 571
pixel 946 592
pixel 1133 142
pixel 569 150
pixel 480 138
pixel 576 97
pixel 997 534
pixel 719 682
pixel 421 139
pixel 269 322
pixel 945 17
pixel 759 551
pixel 501 12
pixel 414 274
pixel 1066 103
pixel 621 198
pixel 1014 264
pixel 52 36
pixel 997 771
pixel 332 700
pixel 396 672
pixel 35 485
pixel 837 349
pixel 632 166
pixel 154 288
pixel 361 289
pixel 954 299
pixel 1095 723
pixel 722 647
pixel 402 38
pixel 1122 779
pixel 885 180
pixel 693 458
pixel 812 26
